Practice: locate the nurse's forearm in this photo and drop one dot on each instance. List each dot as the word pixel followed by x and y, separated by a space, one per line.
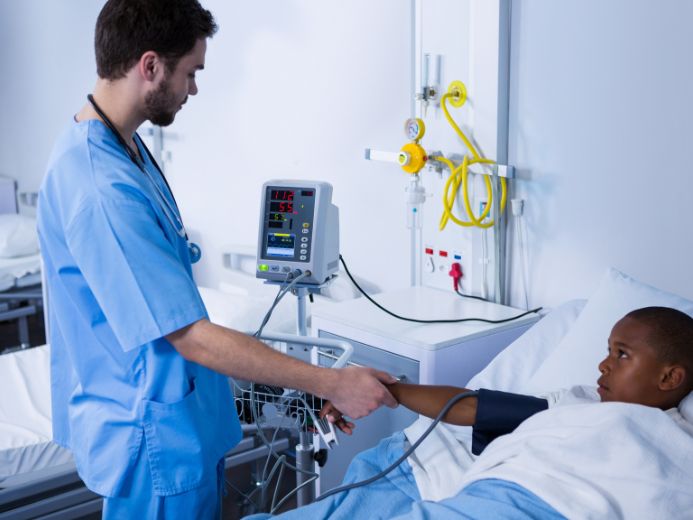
pixel 359 391
pixel 238 355
pixel 429 401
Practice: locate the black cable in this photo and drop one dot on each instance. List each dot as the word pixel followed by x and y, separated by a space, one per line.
pixel 132 154
pixel 480 298
pixel 291 279
pixel 459 320
pixel 451 402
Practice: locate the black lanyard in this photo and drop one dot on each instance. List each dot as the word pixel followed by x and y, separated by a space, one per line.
pixel 131 153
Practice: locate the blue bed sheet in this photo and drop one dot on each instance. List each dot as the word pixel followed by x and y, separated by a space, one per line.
pixel 386 498
pixel 488 499
pixel 396 497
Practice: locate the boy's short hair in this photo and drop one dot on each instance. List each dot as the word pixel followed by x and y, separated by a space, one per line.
pixel 671 335
pixel 126 29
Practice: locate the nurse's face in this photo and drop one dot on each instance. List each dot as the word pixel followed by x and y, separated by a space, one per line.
pixel 163 103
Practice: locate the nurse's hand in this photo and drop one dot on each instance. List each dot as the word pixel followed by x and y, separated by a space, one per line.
pixel 335 417
pixel 359 391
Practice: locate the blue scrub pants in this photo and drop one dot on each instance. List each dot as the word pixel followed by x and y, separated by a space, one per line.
pixel 202 503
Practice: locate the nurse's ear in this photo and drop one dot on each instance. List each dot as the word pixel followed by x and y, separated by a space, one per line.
pixel 151 66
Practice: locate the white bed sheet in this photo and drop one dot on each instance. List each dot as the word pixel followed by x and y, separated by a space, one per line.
pixel 25 415
pixel 21 271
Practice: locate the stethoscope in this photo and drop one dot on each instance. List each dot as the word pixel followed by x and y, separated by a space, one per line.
pixel 172 213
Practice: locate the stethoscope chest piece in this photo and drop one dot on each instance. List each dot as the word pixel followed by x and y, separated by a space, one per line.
pixel 195 252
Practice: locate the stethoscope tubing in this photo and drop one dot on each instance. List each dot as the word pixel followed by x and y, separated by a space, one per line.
pixel 166 206
pixel 176 220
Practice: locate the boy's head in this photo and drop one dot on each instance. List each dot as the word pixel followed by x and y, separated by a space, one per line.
pixel 650 359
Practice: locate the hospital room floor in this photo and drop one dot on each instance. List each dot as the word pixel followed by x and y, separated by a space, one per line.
pixel 9 333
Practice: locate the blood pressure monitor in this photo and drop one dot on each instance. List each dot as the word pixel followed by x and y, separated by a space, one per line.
pixel 299 230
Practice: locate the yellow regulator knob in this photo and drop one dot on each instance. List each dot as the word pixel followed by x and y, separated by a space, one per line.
pixel 458 92
pixel 412 157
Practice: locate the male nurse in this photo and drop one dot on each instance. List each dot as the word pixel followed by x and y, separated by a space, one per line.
pixel 139 373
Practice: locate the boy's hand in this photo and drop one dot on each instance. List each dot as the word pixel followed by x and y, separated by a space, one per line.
pixel 335 417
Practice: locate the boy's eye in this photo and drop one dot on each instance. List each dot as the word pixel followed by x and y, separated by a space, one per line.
pixel 622 354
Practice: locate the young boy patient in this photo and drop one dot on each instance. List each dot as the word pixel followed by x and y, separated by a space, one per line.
pixel 575 459
pixel 572 461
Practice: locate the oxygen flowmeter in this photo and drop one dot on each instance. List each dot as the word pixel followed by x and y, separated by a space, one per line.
pixel 299 230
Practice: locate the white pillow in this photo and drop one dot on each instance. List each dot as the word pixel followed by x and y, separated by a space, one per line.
pixel 18 236
pixel 512 368
pixel 575 359
pixel 686 407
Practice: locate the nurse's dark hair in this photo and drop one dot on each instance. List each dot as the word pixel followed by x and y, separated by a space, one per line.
pixel 670 334
pixel 126 29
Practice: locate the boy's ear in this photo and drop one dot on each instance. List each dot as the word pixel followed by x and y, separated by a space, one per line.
pixel 672 377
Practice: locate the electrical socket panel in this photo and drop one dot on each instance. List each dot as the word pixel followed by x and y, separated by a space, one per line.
pixel 442 248
pixel 436 266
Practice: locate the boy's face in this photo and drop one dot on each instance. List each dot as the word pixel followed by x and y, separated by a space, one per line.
pixel 631 371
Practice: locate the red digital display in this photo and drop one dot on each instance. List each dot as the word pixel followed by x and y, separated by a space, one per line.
pixel 281 207
pixel 285 195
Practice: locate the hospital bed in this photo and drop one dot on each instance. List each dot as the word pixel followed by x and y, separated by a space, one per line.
pixel 20 292
pixel 31 465
pixel 20 264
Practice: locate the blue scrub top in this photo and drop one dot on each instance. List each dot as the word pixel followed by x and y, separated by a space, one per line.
pixel 119 279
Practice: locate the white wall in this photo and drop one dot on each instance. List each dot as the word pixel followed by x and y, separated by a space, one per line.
pixel 600 128
pixel 600 117
pixel 298 90
pixel 47 61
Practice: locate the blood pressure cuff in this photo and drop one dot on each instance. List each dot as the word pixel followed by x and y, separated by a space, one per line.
pixel 499 413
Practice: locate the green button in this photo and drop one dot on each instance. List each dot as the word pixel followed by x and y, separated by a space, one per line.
pixel 263 267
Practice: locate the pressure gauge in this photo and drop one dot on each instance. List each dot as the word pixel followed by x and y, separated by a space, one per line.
pixel 414 128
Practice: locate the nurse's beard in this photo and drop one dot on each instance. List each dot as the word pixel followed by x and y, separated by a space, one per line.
pixel 158 105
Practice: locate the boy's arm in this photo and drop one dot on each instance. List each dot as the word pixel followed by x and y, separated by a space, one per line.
pixel 492 413
pixel 429 400
pixel 426 400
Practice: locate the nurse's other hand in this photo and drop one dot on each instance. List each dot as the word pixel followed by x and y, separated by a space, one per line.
pixel 335 417
pixel 358 391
